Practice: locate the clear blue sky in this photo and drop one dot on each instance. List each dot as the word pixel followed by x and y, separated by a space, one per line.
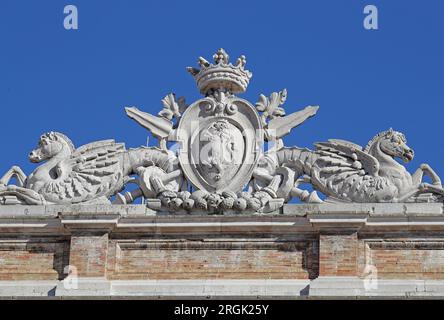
pixel 135 52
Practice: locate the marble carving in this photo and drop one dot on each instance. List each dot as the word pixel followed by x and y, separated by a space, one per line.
pixel 211 158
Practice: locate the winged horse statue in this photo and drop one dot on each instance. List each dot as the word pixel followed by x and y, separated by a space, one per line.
pixel 346 172
pixel 90 174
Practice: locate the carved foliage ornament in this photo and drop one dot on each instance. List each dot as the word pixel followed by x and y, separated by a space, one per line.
pixel 217 161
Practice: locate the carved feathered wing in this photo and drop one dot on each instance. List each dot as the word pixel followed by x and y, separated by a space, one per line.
pixel 343 170
pixel 94 170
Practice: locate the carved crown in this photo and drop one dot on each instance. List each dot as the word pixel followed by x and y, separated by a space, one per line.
pixel 221 74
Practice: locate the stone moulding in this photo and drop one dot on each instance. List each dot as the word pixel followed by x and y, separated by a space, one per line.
pixel 312 250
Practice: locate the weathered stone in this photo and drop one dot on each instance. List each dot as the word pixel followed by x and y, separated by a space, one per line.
pixel 222 137
pixel 137 253
pixel 217 219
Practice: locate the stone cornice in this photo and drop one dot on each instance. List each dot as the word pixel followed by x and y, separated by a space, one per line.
pixel 296 218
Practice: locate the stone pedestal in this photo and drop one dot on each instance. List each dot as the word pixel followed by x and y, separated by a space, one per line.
pixel 350 250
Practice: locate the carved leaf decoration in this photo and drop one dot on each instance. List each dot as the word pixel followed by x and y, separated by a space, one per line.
pixel 279 112
pixel 271 107
pixel 276 100
pixel 171 107
pixel 261 105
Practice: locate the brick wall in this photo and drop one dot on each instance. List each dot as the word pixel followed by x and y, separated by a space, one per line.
pixel 152 247
pixel 338 253
pixel 28 259
pixel 212 259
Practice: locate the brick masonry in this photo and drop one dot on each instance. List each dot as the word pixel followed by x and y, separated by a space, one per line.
pixel 88 254
pixel 34 258
pixel 133 243
pixel 338 253
pixel 253 258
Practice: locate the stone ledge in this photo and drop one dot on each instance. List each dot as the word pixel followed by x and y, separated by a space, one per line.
pixel 320 288
pixel 295 218
pixel 301 210
pixel 54 211
pixel 210 288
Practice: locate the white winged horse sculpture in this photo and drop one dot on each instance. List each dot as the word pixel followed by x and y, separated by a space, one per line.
pixel 91 173
pixel 344 171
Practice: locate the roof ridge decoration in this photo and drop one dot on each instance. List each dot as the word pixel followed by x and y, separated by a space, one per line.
pixel 216 161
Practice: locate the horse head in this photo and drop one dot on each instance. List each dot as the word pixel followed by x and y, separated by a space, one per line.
pixel 51 144
pixel 392 143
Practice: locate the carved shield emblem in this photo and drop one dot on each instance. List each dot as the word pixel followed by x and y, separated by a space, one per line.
pixel 220 143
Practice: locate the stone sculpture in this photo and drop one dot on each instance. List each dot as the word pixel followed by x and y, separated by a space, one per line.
pixel 345 172
pixel 89 174
pixel 218 163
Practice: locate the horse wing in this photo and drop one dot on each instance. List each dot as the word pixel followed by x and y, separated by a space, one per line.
pixel 351 153
pixel 96 170
pixel 94 145
pixel 342 167
pixel 345 143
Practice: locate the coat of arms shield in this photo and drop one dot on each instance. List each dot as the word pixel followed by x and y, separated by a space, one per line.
pixel 221 141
